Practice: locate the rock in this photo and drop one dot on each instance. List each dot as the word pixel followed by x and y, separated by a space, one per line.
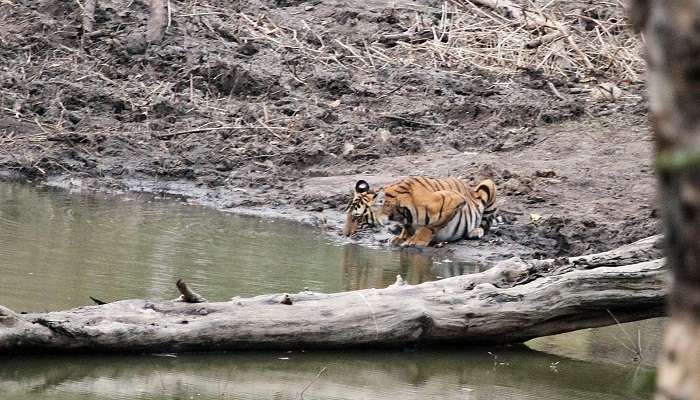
pixel 545 174
pixel 606 92
pixel 347 148
pixel 384 135
pixel 136 43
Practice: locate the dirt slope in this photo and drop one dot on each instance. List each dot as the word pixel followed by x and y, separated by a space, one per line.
pixel 284 103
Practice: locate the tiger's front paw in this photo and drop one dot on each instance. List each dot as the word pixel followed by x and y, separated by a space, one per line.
pixel 421 238
pixel 404 232
pixel 398 241
pixel 412 242
pixel 396 229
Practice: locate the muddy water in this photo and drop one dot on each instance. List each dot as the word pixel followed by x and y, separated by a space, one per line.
pixel 56 249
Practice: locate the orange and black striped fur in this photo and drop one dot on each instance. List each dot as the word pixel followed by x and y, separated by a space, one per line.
pixel 360 210
pixel 435 210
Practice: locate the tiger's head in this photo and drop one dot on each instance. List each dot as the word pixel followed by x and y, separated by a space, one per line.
pixel 360 212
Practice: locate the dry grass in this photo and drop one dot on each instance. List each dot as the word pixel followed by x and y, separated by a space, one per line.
pixel 557 38
pixel 51 77
pixel 574 43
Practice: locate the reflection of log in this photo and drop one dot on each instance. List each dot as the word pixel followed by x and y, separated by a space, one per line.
pixel 511 302
pixel 439 373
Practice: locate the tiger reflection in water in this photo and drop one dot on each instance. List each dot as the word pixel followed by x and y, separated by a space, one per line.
pixel 365 268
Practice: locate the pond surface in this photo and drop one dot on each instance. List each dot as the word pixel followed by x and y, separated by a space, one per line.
pixel 57 248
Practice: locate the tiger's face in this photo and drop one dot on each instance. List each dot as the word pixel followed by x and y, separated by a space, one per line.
pixel 359 211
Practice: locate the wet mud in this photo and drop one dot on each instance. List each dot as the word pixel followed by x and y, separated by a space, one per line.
pixel 276 108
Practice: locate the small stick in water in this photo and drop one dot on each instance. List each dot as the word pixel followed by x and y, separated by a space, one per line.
pixel 187 295
pixel 97 301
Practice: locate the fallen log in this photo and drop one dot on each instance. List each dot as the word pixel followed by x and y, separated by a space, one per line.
pixel 512 302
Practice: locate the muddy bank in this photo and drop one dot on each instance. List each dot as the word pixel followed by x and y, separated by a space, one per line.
pixel 277 107
pixel 587 196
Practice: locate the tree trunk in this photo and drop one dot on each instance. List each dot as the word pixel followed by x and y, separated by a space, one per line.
pixel 512 302
pixel 157 22
pixel 672 32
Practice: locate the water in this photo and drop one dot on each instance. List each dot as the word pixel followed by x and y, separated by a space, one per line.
pixel 516 374
pixel 56 249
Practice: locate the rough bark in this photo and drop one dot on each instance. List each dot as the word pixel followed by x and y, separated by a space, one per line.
pixel 672 32
pixel 157 22
pixel 512 302
pixel 89 16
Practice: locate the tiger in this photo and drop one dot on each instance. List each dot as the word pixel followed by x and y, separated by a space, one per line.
pixel 428 210
pixel 360 211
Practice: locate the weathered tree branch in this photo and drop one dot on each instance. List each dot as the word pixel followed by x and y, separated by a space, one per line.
pixel 188 295
pixel 512 302
pixel 157 22
pixel 89 16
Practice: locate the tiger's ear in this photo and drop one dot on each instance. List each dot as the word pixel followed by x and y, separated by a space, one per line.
pixel 361 186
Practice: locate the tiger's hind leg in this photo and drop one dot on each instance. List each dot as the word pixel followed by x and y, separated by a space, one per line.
pixel 433 214
pixel 487 222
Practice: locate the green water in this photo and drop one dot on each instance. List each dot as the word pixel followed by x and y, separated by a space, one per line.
pixel 56 249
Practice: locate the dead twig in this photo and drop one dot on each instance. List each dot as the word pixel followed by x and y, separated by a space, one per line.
pixel 188 295
pixel 637 349
pixel 157 21
pixel 171 135
pixel 308 385
pixel 89 15
pixel 554 90
pixel 545 39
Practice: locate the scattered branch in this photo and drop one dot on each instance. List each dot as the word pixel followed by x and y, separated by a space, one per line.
pixel 301 395
pixel 157 22
pixel 166 136
pixel 89 16
pixel 188 295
